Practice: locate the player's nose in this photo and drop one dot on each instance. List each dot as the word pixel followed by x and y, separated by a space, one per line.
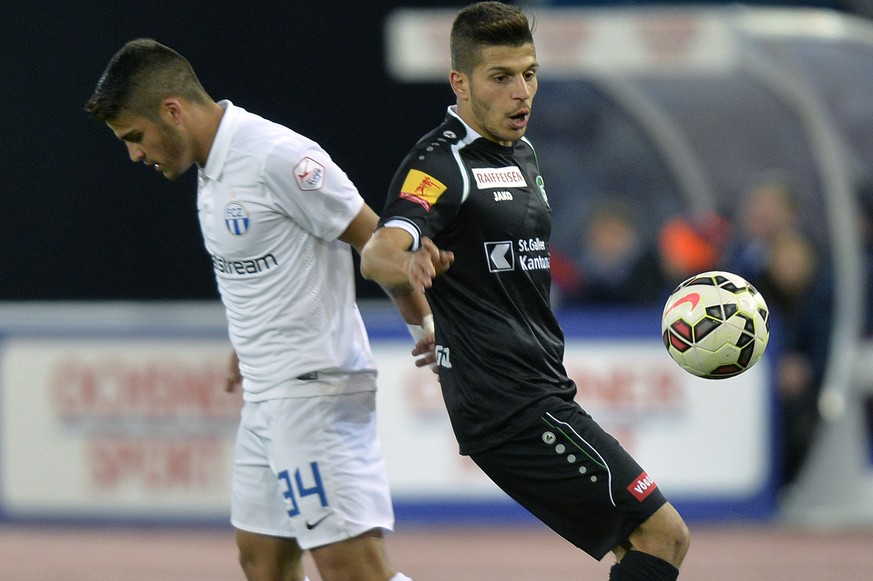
pixel 521 86
pixel 135 152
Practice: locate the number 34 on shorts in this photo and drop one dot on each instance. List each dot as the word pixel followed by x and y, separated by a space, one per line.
pixel 296 489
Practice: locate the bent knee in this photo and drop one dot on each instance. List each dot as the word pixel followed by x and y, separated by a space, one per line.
pixel 664 535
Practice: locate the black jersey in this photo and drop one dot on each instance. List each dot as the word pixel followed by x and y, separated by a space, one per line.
pixel 499 347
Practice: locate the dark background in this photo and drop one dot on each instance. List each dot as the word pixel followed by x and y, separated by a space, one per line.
pixel 81 222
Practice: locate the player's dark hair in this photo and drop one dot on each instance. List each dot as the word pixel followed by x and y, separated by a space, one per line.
pixel 139 77
pixel 486 24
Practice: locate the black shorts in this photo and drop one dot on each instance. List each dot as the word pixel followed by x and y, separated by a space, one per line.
pixel 576 478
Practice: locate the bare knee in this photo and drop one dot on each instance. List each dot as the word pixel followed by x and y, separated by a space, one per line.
pixel 362 558
pixel 267 558
pixel 664 535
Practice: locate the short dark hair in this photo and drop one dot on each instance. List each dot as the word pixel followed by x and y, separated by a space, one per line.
pixel 486 24
pixel 141 75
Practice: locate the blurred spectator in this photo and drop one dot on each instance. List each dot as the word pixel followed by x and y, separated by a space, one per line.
pixel 612 265
pixel 689 246
pixel 773 251
pixel 799 294
pixel 767 208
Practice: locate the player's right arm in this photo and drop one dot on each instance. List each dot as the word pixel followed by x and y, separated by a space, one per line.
pixel 233 380
pixel 387 259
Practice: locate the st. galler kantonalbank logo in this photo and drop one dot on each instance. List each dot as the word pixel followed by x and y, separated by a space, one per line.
pixel 500 256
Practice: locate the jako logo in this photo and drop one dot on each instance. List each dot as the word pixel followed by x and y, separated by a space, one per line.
pixel 642 487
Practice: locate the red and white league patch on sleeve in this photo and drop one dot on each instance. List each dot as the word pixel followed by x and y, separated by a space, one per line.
pixel 309 174
pixel 642 487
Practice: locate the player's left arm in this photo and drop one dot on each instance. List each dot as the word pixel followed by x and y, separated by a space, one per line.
pixel 411 304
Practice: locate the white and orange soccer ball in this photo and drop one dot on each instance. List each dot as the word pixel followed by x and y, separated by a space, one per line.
pixel 715 325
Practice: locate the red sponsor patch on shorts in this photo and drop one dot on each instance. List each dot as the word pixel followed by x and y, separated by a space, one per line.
pixel 642 487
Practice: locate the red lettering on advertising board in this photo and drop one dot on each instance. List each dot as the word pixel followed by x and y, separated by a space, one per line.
pixel 669 38
pixel 150 388
pixel 156 465
pixel 639 388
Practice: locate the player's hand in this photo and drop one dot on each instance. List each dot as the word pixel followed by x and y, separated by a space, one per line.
pixel 424 336
pixel 427 263
pixel 425 353
pixel 233 380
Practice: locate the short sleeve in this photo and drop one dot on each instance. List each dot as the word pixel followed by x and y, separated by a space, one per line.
pixel 423 198
pixel 311 189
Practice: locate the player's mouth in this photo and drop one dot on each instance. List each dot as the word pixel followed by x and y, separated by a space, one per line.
pixel 519 120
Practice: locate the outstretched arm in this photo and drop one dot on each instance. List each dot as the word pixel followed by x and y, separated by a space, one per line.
pixel 411 303
pixel 388 260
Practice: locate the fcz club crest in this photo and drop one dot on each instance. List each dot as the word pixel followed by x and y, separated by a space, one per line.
pixel 236 219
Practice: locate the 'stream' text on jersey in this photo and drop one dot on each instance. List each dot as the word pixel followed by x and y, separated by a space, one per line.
pixel 254 266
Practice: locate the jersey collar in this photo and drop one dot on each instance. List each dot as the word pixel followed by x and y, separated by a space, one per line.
pixel 471 135
pixel 223 137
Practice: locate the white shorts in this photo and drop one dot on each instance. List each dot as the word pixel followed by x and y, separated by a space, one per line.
pixel 310 468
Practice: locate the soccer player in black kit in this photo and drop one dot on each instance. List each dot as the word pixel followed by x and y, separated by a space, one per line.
pixel 468 220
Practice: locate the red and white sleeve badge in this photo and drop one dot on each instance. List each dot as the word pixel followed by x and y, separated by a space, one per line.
pixel 309 174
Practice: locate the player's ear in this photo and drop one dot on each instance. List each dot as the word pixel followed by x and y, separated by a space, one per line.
pixel 460 85
pixel 171 110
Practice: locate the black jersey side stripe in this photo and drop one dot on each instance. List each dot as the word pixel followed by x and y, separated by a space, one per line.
pixel 564 427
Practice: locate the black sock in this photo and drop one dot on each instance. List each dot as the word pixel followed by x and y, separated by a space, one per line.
pixel 637 566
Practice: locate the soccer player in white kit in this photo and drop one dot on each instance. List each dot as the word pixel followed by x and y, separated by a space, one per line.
pixel 277 216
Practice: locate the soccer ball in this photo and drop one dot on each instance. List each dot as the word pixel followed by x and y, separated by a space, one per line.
pixel 715 325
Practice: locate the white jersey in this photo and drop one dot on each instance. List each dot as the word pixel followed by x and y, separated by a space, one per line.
pixel 271 204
